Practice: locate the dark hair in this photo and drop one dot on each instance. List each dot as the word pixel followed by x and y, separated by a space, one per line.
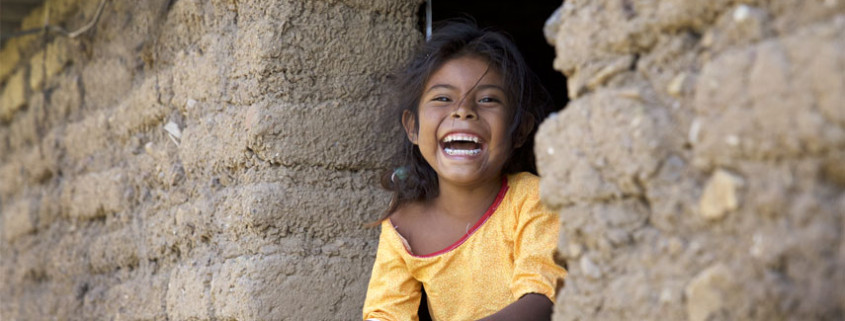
pixel 410 177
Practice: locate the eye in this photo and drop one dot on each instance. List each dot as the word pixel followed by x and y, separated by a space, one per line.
pixel 441 99
pixel 488 100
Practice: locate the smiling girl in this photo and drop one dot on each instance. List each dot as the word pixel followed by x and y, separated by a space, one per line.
pixel 465 224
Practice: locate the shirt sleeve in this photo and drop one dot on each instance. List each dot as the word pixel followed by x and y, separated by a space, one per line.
pixel 535 243
pixel 393 293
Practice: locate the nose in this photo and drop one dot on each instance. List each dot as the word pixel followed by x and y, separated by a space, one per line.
pixel 465 110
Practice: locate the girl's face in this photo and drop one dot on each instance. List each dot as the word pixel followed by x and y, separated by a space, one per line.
pixel 462 122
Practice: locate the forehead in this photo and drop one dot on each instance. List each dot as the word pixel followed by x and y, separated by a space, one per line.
pixel 466 72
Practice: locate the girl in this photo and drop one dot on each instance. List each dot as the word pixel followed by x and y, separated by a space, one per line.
pixel 465 223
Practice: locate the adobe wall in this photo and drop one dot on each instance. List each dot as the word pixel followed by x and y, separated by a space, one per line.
pixel 699 168
pixel 210 160
pixel 195 160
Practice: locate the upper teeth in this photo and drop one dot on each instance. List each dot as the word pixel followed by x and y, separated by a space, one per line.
pixel 460 137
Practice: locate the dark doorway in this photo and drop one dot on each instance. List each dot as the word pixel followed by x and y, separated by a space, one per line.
pixel 523 21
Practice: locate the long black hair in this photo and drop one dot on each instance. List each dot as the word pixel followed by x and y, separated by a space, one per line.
pixel 410 177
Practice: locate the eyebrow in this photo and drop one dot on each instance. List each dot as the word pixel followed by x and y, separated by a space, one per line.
pixel 439 86
pixel 489 86
pixel 479 87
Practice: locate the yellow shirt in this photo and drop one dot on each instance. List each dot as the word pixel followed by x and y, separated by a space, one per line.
pixel 507 254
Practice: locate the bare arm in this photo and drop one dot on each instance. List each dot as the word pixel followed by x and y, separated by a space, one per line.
pixel 530 307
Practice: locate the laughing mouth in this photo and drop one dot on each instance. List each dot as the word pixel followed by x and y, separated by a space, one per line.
pixel 460 144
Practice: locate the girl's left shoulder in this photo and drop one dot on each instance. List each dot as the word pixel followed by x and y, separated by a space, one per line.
pixel 524 182
pixel 523 201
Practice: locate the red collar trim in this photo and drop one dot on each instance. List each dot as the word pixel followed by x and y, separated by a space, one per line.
pixel 481 221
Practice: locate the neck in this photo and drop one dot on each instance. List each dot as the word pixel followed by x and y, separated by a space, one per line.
pixel 467 203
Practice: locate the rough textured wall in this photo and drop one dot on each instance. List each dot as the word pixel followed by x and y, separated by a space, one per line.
pixel 194 159
pixel 700 167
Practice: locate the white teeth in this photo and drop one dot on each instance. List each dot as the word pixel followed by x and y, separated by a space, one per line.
pixel 460 137
pixel 462 152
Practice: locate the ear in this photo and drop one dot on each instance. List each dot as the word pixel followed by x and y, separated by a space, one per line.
pixel 410 122
pixel 524 130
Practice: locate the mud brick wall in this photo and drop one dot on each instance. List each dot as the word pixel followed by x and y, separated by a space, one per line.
pixel 699 168
pixel 210 160
pixel 203 160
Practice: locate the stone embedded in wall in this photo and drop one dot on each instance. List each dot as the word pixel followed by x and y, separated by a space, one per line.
pixel 588 268
pixel 720 195
pixel 677 85
pixel 707 292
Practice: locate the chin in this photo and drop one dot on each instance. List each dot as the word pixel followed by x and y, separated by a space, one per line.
pixel 463 177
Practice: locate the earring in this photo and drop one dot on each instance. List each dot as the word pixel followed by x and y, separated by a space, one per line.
pixel 400 172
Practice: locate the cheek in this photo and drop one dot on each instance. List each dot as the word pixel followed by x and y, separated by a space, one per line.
pixel 500 130
pixel 504 146
pixel 428 124
pixel 426 136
